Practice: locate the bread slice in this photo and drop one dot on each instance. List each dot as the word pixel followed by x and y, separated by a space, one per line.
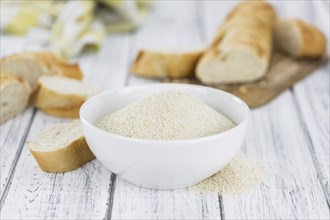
pixel 62 112
pixel 61 148
pixel 14 95
pixel 32 65
pixel 62 96
pixel 59 66
pixel 24 66
pixel 155 64
pixel 299 39
pixel 242 46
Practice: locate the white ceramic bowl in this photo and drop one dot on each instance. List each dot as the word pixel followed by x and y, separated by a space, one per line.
pixel 163 164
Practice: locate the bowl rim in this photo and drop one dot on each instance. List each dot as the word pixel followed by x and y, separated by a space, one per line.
pixel 177 141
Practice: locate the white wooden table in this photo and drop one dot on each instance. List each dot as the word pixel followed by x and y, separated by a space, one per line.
pixel 291 134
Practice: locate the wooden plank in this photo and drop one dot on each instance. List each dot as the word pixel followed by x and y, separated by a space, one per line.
pixel 171 24
pixel 133 202
pixel 12 137
pixel 81 194
pixel 108 68
pixel 312 97
pixel 13 132
pixel 284 71
pixel 290 189
pixel 65 196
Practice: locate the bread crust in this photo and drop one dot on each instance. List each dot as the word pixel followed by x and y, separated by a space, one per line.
pixel 47 98
pixel 6 80
pixel 11 64
pixel 63 112
pixel 311 43
pixel 43 63
pixel 60 66
pixel 64 159
pixel 249 28
pixel 58 104
pixel 154 64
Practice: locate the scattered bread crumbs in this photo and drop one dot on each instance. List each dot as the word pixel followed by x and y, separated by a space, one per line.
pixel 166 115
pixel 240 176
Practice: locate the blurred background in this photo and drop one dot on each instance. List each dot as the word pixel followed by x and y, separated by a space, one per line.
pixel 104 37
pixel 70 27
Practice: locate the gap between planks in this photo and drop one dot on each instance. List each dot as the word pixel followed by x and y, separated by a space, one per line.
pixel 137 202
pixel 200 9
pixel 130 56
pixel 113 181
pixel 18 155
pixel 27 129
pixel 310 147
pixel 100 67
pixel 113 184
pixel 308 12
pixel 112 189
pixel 221 207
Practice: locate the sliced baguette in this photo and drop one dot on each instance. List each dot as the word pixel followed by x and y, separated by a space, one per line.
pixel 154 64
pixel 32 65
pixel 62 112
pixel 59 66
pixel 299 39
pixel 61 148
pixel 242 46
pixel 62 96
pixel 14 96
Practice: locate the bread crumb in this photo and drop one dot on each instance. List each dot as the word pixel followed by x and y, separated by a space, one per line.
pixel 166 115
pixel 240 176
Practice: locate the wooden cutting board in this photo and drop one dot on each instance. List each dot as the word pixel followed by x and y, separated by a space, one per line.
pixel 284 71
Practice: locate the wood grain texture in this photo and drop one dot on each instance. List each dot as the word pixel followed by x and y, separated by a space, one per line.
pixel 312 96
pixel 313 106
pixel 291 135
pixel 81 194
pixel 14 131
pixel 290 189
pixel 46 195
pixel 284 71
pixel 172 24
pixel 12 137
pixel 133 202
pixel 108 68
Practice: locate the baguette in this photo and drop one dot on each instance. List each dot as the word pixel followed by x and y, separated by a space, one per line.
pixel 32 65
pixel 63 112
pixel 154 64
pixel 14 96
pixel 59 66
pixel 241 49
pixel 62 96
pixel 61 148
pixel 299 39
